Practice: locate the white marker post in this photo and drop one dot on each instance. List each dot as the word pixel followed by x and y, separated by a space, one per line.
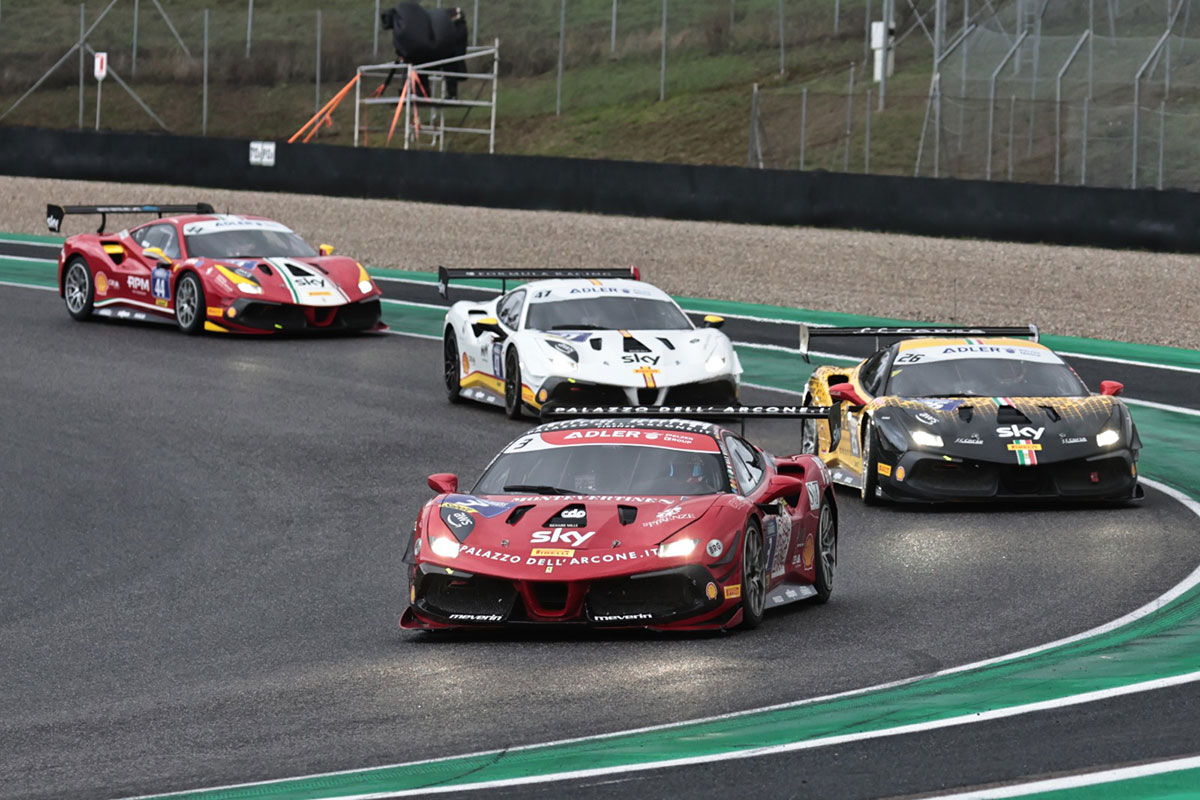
pixel 100 70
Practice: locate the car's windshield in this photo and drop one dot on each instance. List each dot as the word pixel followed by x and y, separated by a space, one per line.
pixel 606 313
pixel 606 469
pixel 1044 375
pixel 257 242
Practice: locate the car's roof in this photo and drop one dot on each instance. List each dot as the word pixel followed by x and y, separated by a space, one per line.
pixel 554 290
pixel 933 349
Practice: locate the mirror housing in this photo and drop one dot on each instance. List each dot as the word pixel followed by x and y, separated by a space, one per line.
pixel 159 256
pixel 1111 388
pixel 484 324
pixel 847 393
pixel 325 249
pixel 713 321
pixel 443 482
pixel 781 486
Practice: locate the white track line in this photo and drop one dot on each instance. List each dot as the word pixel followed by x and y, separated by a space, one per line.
pixel 1076 781
pixel 29 286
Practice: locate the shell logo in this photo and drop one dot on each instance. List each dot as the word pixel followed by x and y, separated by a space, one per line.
pixel 466 364
pixel 101 283
pixel 810 549
pixel 710 591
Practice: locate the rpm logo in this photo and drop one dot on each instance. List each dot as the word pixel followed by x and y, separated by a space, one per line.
pixel 137 283
pixel 1019 432
pixel 570 538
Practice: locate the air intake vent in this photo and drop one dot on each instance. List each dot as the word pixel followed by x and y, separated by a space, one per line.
pixel 266 269
pixel 965 412
pixel 596 342
pixel 666 343
pixel 1010 415
pixel 1052 413
pixel 515 515
pixel 627 514
pixel 632 345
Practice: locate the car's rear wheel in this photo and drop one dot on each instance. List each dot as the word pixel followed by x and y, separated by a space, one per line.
pixel 826 556
pixel 870 465
pixel 189 304
pixel 808 431
pixel 513 403
pixel 78 289
pixel 754 577
pixel 450 358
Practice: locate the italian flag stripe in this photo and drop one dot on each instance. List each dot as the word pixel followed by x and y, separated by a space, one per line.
pixel 1026 458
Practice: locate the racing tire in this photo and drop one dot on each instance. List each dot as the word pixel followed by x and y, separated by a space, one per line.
pixel 79 290
pixel 450 360
pixel 754 577
pixel 869 477
pixel 826 555
pixel 513 404
pixel 189 304
pixel 810 442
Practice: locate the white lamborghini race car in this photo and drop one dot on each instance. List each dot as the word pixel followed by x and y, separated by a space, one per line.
pixel 572 336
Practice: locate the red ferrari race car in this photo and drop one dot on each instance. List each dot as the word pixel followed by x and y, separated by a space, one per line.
pixel 223 273
pixel 654 521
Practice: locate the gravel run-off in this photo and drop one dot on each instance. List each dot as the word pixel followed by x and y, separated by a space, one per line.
pixel 1126 295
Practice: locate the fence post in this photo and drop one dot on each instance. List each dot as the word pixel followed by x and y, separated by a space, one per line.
pixel 867 38
pixel 613 46
pixel 562 49
pixel 889 14
pixel 992 101
pixel 662 73
pixel 204 101
pixel 317 92
pixel 837 12
pixel 133 55
pixel 849 118
pixel 752 139
pixel 1162 136
pixel 474 25
pixel 1012 118
pixel 82 33
pixel 867 143
pixel 803 124
pixel 1083 147
pixel 782 45
pixel 250 23
pixel 374 31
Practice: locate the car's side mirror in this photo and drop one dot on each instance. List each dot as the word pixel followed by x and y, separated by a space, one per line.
pixel 847 393
pixel 484 324
pixel 713 321
pixel 782 486
pixel 158 255
pixel 443 482
pixel 1111 388
pixel 325 249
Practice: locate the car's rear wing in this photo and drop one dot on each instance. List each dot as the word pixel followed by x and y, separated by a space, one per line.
pixel 447 274
pixel 734 413
pixel 809 332
pixel 55 214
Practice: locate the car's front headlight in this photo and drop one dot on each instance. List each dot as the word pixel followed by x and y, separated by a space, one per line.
pixel 444 547
pixel 677 548
pixel 926 439
pixel 1107 437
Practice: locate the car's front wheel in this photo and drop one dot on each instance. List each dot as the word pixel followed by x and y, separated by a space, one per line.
pixel 513 404
pixel 189 304
pixel 450 357
pixel 826 560
pixel 78 290
pixel 754 577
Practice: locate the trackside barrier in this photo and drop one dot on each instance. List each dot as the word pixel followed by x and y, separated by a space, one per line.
pixel 1140 218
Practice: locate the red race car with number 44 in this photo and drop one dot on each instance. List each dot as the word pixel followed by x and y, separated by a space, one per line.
pixel 221 273
pixel 651 521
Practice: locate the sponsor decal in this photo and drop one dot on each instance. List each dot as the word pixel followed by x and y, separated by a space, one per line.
pixel 714 549
pixel 459 521
pixel 621 617
pixel 710 591
pixel 972 439
pixel 160 302
pixel 563 348
pixel 1024 445
pixel 478 617
pixel 542 395
pixel 784 535
pixel 814 494
pixel 640 358
pixel 498 359
pixel 551 552
pixel 733 592
pixel 900 473
pixel 648 374
pixel 161 283
pixel 232 222
pixel 466 364
pixel 1019 432
pixel 673 514
pixel 1026 452
pixel 570 538
pixel 941 404
pixel 697 442
pixel 809 551
pixel 885 470
pixel 572 513
pixel 476 505
pixel 926 417
pixel 1073 439
pixel 101 284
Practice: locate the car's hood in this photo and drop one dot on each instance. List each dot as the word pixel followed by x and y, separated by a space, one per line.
pixel 641 358
pixel 317 281
pixel 581 529
pixel 1003 428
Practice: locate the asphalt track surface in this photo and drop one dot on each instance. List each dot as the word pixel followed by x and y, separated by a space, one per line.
pixel 202 543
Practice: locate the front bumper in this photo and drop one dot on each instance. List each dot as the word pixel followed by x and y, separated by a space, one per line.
pixel 678 597
pixel 571 392
pixel 263 317
pixel 931 477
